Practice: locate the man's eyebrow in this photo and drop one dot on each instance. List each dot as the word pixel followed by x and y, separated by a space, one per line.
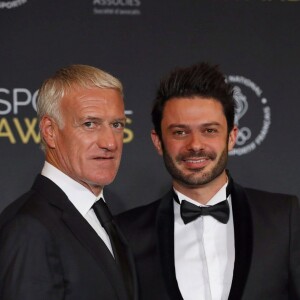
pixel 180 125
pixel 211 124
pixel 120 119
pixel 177 126
pixel 91 119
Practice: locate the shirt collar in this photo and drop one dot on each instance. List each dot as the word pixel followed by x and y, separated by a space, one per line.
pixel 81 197
pixel 217 198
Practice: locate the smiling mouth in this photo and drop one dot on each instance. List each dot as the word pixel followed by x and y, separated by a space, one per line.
pixel 195 163
pixel 195 160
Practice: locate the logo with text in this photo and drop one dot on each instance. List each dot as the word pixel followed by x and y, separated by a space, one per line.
pixel 12 4
pixel 253 114
pixel 18 121
pixel 117 7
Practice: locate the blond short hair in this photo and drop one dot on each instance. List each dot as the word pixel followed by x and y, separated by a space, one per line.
pixel 56 87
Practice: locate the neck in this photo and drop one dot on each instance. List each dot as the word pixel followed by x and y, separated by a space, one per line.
pixel 202 193
pixel 95 189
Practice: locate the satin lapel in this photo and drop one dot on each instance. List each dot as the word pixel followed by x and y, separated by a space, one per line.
pixel 165 234
pixel 243 236
pixel 82 231
pixel 91 241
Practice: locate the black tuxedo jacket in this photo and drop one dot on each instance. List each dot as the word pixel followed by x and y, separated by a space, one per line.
pixel 267 246
pixel 48 251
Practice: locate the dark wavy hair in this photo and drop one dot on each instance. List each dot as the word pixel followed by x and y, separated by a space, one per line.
pixel 198 80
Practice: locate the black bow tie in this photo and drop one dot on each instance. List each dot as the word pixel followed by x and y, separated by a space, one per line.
pixel 220 211
pixel 189 212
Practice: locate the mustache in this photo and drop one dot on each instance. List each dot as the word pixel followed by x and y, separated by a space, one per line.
pixel 196 154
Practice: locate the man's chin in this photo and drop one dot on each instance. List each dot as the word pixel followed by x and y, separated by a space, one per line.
pixel 100 181
pixel 195 177
pixel 105 181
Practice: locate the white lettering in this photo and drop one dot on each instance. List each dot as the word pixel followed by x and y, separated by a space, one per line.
pixel 21 97
pixel 12 4
pixel 244 150
pixel 132 3
pixel 16 99
pixel 247 82
pixel 5 102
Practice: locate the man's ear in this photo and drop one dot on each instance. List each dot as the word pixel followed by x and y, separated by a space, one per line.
pixel 47 128
pixel 156 141
pixel 232 138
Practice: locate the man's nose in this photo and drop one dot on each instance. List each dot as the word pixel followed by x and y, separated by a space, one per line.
pixel 107 139
pixel 195 142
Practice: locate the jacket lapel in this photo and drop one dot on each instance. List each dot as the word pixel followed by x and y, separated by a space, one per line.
pixel 132 281
pixel 95 246
pixel 243 237
pixel 165 235
pixel 83 232
pixel 243 242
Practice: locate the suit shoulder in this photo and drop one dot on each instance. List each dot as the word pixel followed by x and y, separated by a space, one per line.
pixel 23 232
pixel 261 199
pixel 138 213
pixel 14 208
pixel 27 213
pixel 261 194
pixel 139 220
pixel 23 228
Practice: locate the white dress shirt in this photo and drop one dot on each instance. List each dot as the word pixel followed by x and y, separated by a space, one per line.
pixel 204 253
pixel 81 198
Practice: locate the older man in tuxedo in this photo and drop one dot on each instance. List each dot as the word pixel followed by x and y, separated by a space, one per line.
pixel 209 238
pixel 59 241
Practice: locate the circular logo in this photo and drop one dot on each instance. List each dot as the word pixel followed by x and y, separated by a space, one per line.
pixel 11 4
pixel 253 114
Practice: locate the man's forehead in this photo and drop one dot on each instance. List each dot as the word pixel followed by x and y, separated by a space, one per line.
pixel 192 106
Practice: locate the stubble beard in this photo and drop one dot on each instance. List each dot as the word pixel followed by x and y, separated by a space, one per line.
pixel 196 177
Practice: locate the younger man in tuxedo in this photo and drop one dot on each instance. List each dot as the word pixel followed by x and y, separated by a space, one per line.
pixel 208 237
pixel 58 241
